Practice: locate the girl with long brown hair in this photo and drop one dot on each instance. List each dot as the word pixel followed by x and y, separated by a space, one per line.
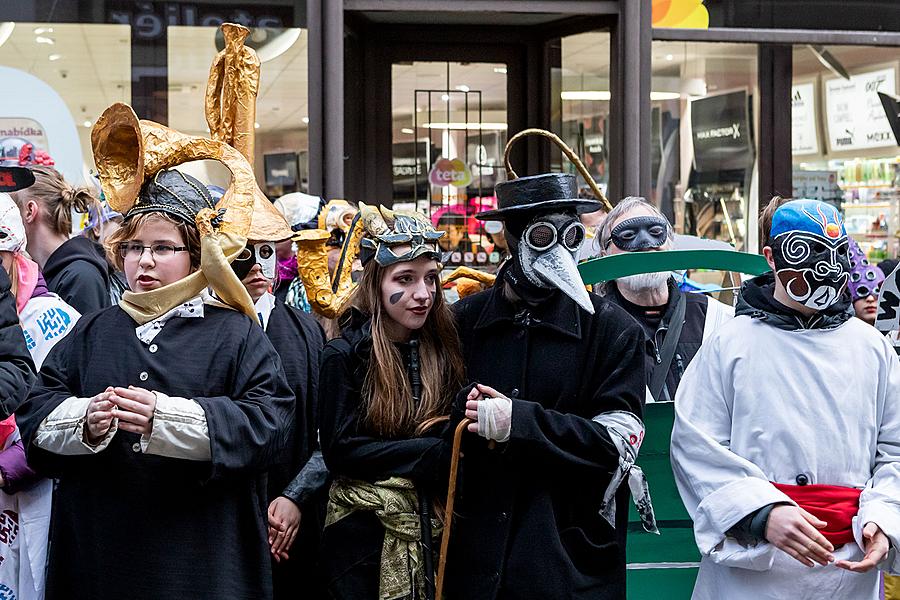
pixel 386 387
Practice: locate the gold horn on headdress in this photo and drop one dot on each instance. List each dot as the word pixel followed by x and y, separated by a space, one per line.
pixel 128 152
pixel 327 295
pixel 231 115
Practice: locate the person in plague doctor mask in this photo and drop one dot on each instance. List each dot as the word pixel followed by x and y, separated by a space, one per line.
pixel 787 428
pixel 556 410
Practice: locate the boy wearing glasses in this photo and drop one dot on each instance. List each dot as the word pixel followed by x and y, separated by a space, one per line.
pixel 159 418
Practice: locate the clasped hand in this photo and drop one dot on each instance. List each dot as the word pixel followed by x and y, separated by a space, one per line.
pixel 796 532
pixel 132 406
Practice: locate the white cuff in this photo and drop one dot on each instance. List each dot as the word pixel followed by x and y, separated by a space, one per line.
pixel 63 431
pixel 721 510
pixel 179 430
pixel 885 515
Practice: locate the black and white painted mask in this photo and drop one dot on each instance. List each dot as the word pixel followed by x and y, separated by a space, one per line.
pixel 261 253
pixel 546 252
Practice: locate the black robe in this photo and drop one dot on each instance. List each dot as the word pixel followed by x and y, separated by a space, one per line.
pixel 298 339
pixel 351 548
pixel 527 521
pixel 139 526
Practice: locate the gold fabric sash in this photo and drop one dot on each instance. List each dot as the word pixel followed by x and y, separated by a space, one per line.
pixel 395 502
pixel 217 250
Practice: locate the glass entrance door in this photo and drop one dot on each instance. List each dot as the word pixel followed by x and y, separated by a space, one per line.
pixel 449 129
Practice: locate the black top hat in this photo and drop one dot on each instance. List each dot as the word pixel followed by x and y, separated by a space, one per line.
pixel 174 193
pixel 536 194
pixel 15 178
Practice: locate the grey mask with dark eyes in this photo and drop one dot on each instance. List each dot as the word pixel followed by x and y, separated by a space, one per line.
pixel 640 233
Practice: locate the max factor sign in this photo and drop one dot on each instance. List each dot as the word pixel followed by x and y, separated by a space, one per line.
pixel 733 131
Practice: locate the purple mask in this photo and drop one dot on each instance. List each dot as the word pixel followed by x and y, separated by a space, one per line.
pixel 287 268
pixel 865 279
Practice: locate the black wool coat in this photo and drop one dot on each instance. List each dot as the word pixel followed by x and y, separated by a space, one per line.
pixel 131 525
pixel 298 339
pixel 526 523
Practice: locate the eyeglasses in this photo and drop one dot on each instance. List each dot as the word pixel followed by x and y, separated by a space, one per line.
pixel 134 250
pixel 542 235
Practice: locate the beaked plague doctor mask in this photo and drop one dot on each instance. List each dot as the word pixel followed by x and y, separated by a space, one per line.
pixel 546 253
pixel 810 249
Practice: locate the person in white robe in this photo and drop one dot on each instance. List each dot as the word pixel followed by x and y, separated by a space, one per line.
pixel 786 443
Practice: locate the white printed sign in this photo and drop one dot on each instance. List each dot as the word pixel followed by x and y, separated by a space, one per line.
pixel 888 318
pixel 804 139
pixel 856 119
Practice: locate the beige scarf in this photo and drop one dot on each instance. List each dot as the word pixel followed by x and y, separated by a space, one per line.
pixel 217 250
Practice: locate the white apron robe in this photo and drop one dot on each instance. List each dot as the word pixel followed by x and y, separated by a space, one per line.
pixel 760 404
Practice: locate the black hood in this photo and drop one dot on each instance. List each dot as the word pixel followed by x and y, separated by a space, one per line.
pixel 757 301
pixel 77 248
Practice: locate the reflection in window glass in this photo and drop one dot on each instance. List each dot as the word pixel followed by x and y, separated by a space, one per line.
pixel 703 138
pixel 449 132
pixel 282 139
pixel 844 149
pixel 58 78
pixel 583 83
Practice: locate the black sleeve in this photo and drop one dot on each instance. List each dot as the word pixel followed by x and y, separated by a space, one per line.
pixel 352 453
pixel 311 478
pixel 248 430
pixel 557 440
pixel 83 286
pixel 17 372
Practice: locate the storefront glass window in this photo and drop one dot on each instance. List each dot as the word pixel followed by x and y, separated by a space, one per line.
pixel 281 107
pixel 843 144
pixel 581 95
pixel 57 79
pixel 449 132
pixel 704 99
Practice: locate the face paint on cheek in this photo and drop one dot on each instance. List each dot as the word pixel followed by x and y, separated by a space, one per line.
pixel 395 297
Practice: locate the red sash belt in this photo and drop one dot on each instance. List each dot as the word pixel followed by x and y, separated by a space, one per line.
pixel 833 504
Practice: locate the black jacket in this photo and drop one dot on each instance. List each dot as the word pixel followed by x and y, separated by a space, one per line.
pixel 78 272
pixel 655 334
pixel 527 523
pixel 351 548
pixel 757 300
pixel 298 339
pixel 17 371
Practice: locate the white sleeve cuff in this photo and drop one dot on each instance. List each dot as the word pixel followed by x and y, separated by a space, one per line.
pixel 179 430
pixel 885 515
pixel 63 431
pixel 722 509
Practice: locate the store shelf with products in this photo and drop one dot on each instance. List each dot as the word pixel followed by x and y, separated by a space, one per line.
pixel 874 225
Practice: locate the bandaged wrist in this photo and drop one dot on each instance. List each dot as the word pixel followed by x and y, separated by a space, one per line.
pixel 495 418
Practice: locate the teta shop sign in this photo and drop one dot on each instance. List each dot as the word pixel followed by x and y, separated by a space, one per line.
pixel 450 172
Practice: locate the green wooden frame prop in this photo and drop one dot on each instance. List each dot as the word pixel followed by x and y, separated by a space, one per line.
pixel 611 267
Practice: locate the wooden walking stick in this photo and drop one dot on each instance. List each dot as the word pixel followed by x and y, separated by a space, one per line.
pixel 448 510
